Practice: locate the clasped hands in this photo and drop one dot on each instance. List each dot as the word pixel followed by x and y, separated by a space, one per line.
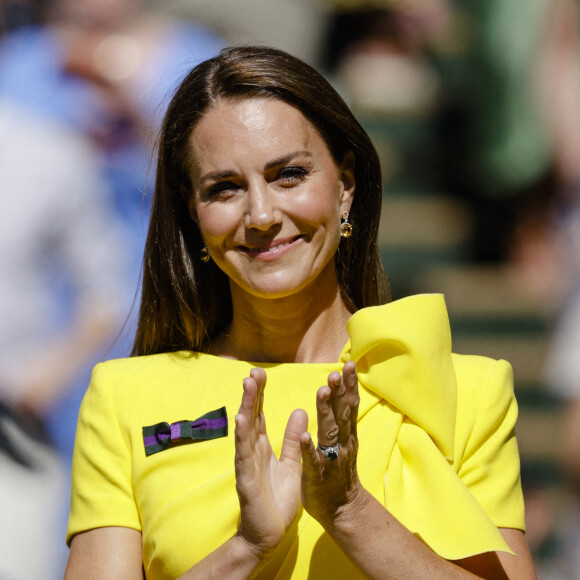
pixel 271 489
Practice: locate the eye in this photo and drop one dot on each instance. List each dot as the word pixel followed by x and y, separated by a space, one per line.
pixel 292 175
pixel 222 187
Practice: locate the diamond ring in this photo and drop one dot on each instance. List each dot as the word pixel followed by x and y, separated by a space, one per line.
pixel 331 452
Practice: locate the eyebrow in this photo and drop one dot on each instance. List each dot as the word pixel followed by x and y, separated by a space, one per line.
pixel 228 173
pixel 286 158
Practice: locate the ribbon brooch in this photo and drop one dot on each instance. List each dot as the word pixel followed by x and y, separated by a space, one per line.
pixel 161 436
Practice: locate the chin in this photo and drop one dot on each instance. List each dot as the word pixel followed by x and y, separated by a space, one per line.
pixel 274 288
pixel 284 282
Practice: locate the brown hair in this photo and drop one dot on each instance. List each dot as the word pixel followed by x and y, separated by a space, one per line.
pixel 185 303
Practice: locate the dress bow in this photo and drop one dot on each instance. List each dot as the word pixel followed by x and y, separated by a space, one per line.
pixel 402 352
pixel 403 355
pixel 163 435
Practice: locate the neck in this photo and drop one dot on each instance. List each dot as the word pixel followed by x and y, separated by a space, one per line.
pixel 308 327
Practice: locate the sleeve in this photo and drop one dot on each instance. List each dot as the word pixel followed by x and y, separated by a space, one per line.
pixel 487 449
pixel 102 491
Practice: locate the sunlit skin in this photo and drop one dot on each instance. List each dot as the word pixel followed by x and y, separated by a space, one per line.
pixel 267 196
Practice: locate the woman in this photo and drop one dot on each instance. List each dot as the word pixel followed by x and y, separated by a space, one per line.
pixel 263 247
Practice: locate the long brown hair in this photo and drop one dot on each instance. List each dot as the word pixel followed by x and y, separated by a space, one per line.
pixel 185 302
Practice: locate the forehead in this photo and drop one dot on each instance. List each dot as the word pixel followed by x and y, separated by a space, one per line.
pixel 266 126
pixel 251 109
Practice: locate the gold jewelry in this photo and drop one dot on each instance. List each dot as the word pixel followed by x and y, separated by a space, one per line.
pixel 205 254
pixel 345 226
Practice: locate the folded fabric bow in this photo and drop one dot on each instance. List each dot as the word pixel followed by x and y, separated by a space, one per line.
pixel 161 436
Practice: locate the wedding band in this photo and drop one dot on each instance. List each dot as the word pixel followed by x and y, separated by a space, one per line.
pixel 331 452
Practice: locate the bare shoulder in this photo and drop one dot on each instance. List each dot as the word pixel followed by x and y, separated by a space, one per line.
pixel 112 553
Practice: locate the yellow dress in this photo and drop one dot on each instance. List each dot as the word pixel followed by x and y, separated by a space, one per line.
pixel 437 445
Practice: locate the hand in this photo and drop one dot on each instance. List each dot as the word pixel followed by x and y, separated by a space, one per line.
pixel 330 486
pixel 268 488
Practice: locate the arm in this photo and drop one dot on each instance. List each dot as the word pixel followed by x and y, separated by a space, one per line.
pixel 374 540
pixel 364 531
pixel 502 564
pixel 114 553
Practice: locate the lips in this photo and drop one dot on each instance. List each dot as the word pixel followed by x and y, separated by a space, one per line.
pixel 271 247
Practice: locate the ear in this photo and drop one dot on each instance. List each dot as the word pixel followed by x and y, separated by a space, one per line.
pixel 347 178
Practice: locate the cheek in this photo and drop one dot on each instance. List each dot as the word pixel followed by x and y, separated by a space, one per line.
pixel 322 209
pixel 216 222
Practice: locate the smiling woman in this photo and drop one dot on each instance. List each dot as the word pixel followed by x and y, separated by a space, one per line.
pixel 261 266
pixel 267 197
pixel 198 301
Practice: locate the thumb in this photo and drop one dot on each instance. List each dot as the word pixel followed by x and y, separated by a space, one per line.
pixel 297 424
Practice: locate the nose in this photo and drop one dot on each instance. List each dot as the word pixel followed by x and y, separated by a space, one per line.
pixel 262 211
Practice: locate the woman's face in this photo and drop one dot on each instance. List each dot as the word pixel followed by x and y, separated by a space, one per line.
pixel 267 196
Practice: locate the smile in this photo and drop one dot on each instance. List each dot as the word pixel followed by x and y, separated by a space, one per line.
pixel 273 249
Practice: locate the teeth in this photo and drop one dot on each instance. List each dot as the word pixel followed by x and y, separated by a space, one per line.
pixel 271 249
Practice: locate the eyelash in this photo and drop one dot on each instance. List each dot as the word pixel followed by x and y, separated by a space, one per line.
pixel 291 175
pixel 221 187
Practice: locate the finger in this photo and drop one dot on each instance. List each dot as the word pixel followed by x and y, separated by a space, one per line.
pixel 340 403
pixel 243 462
pixel 259 376
pixel 350 379
pixel 327 427
pixel 297 425
pixel 248 404
pixel 310 458
pixel 247 410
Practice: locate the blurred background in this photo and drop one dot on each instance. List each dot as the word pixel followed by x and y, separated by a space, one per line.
pixel 474 108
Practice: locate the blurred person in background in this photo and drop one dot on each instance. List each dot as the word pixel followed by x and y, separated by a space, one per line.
pixel 560 82
pixel 105 67
pixel 62 257
pixel 461 80
pixel 62 262
pixel 503 160
pixel 87 78
pixel 380 55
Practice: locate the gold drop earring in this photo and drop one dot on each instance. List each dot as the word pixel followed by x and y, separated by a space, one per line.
pixel 345 226
pixel 205 254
